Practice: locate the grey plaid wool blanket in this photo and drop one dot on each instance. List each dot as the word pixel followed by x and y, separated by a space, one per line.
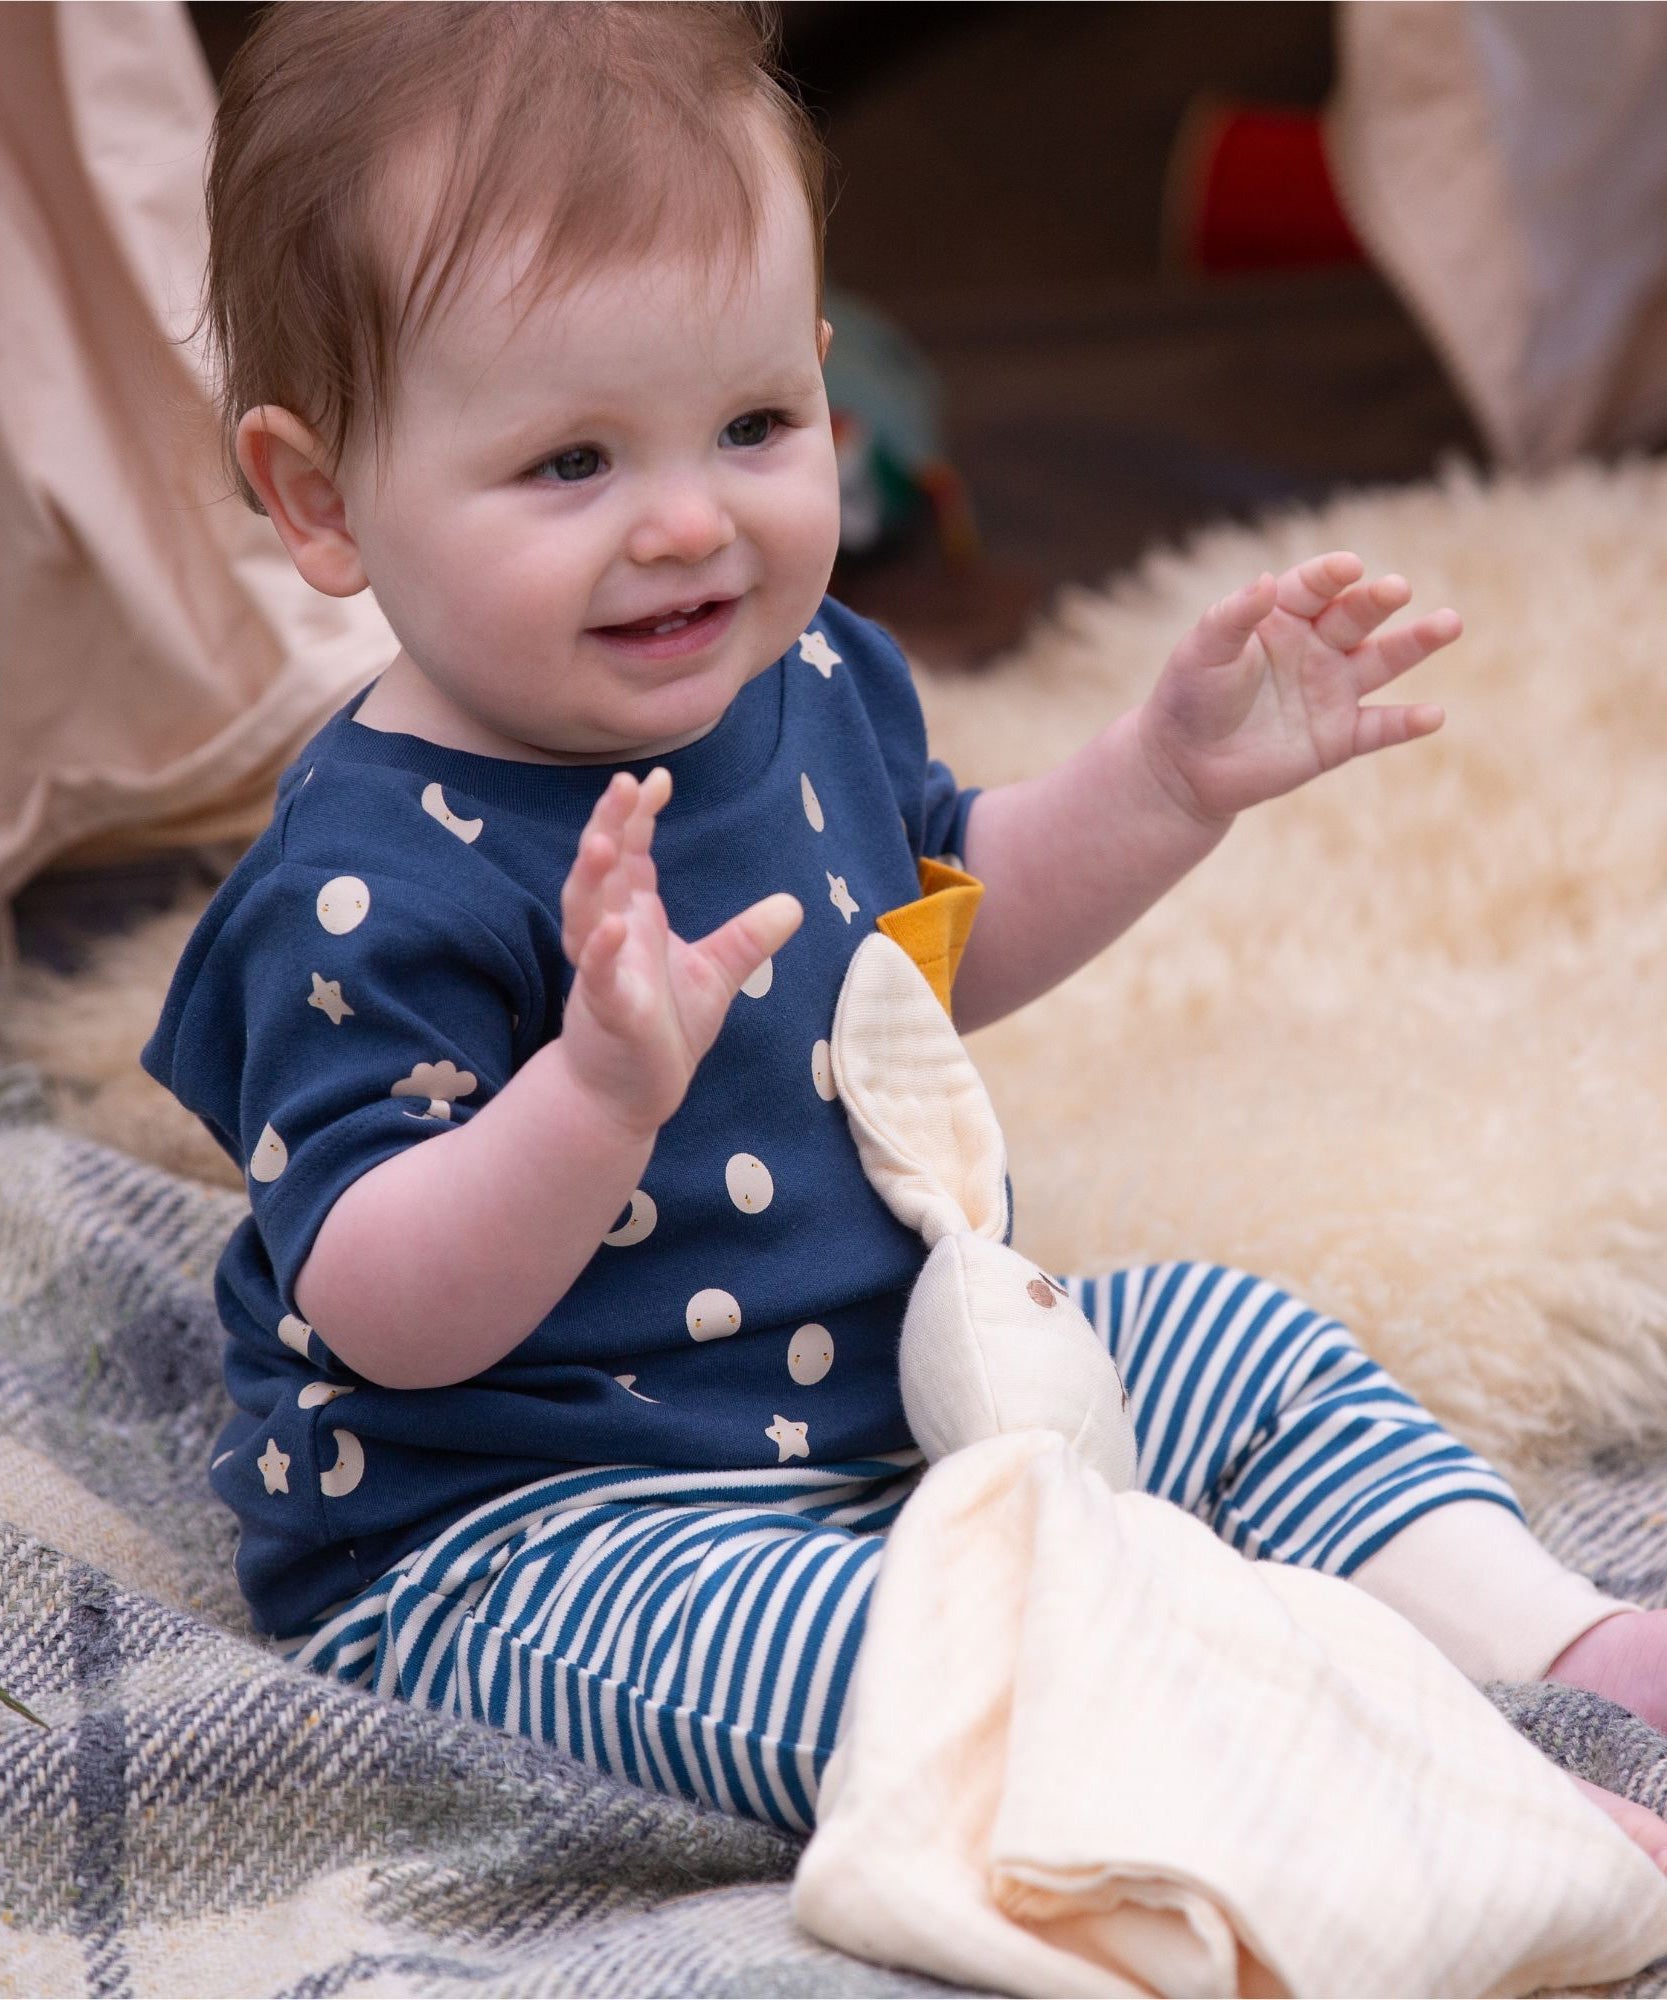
pixel 199 1817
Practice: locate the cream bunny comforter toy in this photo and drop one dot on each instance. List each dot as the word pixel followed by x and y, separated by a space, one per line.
pixel 1092 1750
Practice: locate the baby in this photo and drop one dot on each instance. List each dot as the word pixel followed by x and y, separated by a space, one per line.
pixel 563 1327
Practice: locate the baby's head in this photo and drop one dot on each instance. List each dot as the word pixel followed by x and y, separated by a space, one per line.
pixel 517 309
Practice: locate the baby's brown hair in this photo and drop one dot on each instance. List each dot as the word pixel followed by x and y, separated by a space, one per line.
pixel 604 129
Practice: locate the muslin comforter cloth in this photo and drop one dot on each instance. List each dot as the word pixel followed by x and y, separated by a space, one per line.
pixel 1092 1750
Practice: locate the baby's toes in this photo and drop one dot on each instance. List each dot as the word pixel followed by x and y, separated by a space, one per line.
pixel 1637 1822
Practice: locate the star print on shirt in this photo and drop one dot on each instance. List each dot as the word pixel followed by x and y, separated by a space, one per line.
pixel 274 1467
pixel 814 648
pixel 326 996
pixel 789 1439
pixel 841 898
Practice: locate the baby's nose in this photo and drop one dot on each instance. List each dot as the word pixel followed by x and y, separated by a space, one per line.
pixel 686 526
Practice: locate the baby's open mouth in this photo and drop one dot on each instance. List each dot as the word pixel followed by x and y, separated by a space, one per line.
pixel 668 621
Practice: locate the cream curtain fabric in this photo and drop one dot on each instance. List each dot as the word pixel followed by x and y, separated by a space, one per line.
pixel 159 657
pixel 1506 165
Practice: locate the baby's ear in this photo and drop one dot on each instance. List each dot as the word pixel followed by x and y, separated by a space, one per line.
pixel 824 339
pixel 285 462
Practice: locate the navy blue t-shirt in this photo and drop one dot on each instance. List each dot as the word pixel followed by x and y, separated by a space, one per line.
pixel 388 954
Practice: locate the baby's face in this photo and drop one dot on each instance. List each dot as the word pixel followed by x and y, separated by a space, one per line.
pixel 648 445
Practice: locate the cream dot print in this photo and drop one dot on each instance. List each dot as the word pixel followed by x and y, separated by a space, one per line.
pixel 343 904
pixel 809 1354
pixel 821 1072
pixel 434 804
pixel 757 984
pixel 749 1183
pixel 713 1314
pixel 270 1156
pixel 812 804
pixel 637 1222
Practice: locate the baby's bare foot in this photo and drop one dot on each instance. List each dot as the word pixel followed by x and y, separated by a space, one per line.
pixel 1625 1658
pixel 1636 1822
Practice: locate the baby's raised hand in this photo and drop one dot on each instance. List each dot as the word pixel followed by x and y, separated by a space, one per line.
pixel 1265 691
pixel 645 1006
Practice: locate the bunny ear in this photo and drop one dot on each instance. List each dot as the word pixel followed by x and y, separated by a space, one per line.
pixel 923 1122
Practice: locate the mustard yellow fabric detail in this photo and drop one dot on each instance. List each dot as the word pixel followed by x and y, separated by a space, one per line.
pixel 934 930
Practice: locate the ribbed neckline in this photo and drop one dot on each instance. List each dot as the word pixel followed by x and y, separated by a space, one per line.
pixel 716 766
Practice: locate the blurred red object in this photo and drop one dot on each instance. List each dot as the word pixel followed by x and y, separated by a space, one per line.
pixel 1249 189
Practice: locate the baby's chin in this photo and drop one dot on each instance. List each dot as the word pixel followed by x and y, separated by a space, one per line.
pixel 634 753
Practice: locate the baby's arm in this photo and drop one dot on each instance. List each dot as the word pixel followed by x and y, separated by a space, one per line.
pixel 439 1261
pixel 1263 694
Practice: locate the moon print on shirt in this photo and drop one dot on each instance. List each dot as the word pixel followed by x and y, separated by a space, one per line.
pixel 315 1393
pixel 812 804
pixel 439 1082
pixel 757 984
pixel 749 1183
pixel 821 1072
pixel 814 647
pixel 326 996
pixel 809 1354
pixel 343 904
pixel 712 1314
pixel 640 1218
pixel 274 1467
pixel 788 1439
pixel 348 1469
pixel 434 804
pixel 293 1333
pixel 625 1382
pixel 270 1156
pixel 841 898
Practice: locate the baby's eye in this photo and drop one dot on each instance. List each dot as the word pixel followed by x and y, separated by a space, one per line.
pixel 580 461
pixel 754 428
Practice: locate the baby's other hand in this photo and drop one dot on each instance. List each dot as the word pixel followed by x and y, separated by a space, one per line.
pixel 645 1005
pixel 1265 692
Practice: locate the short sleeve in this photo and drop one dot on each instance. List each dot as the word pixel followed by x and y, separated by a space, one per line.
pixel 336 1019
pixel 944 811
pixel 933 805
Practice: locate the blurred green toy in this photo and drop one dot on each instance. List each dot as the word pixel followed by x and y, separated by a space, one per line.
pixel 885 402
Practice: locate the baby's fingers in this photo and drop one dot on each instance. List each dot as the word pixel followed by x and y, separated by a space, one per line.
pixel 737 949
pixel 617 993
pixel 1306 590
pixel 1219 637
pixel 637 834
pixel 1399 651
pixel 584 894
pixel 1358 613
pixel 1381 728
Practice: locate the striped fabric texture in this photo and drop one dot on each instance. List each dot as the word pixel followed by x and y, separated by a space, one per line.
pixel 695 1633
pixel 200 1816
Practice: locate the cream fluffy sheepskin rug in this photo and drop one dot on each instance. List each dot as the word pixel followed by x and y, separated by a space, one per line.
pixel 1399 1043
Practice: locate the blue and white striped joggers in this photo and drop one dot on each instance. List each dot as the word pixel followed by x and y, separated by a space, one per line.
pixel 695 1631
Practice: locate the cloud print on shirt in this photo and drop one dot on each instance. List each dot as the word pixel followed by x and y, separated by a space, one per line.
pixel 439 1082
